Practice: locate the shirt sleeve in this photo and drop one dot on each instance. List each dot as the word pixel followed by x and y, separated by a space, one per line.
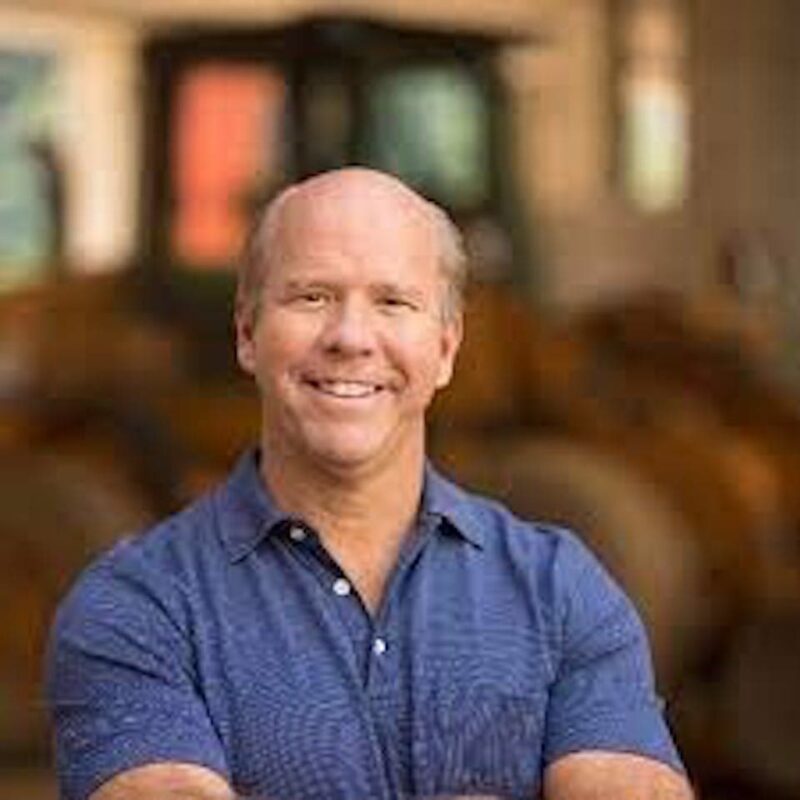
pixel 604 696
pixel 120 680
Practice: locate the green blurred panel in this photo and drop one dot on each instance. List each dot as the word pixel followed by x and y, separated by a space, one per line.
pixel 430 126
pixel 28 204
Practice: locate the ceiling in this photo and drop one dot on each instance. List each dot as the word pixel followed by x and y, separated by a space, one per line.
pixel 509 15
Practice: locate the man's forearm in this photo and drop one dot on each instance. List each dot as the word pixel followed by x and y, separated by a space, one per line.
pixel 613 776
pixel 166 782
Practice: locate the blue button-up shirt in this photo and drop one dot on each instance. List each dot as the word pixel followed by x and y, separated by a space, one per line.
pixel 228 637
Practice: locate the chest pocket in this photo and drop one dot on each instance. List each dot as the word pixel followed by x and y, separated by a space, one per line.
pixel 485 741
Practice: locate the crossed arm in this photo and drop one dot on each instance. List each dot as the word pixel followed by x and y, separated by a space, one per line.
pixel 166 782
pixel 604 673
pixel 581 776
pixel 598 775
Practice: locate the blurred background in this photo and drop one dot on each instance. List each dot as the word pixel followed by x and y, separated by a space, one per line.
pixel 627 175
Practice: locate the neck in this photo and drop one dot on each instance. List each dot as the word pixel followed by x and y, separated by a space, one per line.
pixel 362 514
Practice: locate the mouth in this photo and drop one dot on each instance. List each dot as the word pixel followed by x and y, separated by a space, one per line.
pixel 345 389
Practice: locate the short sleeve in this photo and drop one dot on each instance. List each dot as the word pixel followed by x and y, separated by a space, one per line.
pixel 120 682
pixel 604 695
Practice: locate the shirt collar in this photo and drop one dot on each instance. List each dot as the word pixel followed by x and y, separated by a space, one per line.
pixel 444 499
pixel 248 513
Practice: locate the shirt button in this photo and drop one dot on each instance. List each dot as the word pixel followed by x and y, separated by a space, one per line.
pixel 297 534
pixel 379 647
pixel 341 587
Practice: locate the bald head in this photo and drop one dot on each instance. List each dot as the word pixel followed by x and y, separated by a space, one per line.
pixel 341 196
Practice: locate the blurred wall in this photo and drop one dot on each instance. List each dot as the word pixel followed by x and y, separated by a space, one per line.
pixel 743 82
pixel 96 123
pixel 747 99
pixel 594 243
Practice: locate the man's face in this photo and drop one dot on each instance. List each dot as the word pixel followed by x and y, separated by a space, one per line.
pixel 350 344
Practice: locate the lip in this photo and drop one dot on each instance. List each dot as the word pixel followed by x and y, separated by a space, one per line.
pixel 346 389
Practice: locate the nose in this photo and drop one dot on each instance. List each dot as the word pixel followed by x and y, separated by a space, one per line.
pixel 349 329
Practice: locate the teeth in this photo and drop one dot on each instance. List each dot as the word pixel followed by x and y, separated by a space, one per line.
pixel 346 388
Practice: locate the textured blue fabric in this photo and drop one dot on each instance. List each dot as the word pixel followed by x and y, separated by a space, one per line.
pixel 226 637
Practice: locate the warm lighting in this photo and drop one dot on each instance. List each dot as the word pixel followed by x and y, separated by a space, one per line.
pixel 226 140
pixel 653 104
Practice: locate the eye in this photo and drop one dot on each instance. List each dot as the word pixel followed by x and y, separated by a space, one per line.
pixel 309 298
pixel 396 303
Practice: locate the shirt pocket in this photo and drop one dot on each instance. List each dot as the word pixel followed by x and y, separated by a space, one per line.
pixel 484 741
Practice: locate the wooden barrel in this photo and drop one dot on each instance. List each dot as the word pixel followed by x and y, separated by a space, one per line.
pixel 758 703
pixel 486 388
pixel 56 515
pixel 628 522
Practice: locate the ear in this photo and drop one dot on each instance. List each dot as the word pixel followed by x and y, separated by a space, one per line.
pixel 245 341
pixel 451 336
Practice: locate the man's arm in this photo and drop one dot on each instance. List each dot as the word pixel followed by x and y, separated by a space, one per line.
pixel 607 737
pixel 596 775
pixel 167 781
pixel 129 722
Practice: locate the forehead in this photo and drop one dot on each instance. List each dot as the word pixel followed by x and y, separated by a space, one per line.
pixel 376 228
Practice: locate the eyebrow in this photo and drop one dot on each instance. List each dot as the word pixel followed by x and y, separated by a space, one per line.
pixel 295 283
pixel 384 287
pixel 397 288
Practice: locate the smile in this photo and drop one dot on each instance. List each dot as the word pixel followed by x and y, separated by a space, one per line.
pixel 346 389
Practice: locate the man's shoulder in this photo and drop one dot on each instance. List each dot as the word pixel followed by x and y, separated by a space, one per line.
pixel 155 562
pixel 168 542
pixel 536 541
pixel 537 566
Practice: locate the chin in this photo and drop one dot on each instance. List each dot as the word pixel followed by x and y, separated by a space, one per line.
pixel 345 458
pixel 350 452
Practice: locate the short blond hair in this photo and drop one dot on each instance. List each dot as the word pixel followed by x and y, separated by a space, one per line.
pixel 259 251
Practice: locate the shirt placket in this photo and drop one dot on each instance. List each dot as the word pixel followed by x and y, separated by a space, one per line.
pixel 367 647
pixel 388 675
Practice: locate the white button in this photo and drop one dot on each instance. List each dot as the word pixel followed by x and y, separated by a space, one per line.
pixel 379 647
pixel 341 587
pixel 297 534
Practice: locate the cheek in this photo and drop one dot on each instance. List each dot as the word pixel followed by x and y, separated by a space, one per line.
pixel 427 369
pixel 430 356
pixel 283 345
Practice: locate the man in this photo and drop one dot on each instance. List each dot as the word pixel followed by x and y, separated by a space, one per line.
pixel 338 620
